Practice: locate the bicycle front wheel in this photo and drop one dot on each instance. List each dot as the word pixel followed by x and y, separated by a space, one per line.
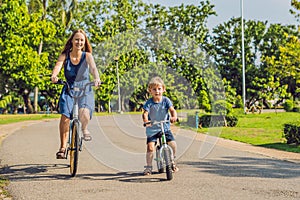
pixel 159 161
pixel 74 149
pixel 168 162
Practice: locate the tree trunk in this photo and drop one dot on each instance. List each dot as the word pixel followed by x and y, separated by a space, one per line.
pixel 225 121
pixel 27 101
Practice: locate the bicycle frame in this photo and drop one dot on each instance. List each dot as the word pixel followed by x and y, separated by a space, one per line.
pixel 165 157
pixel 163 141
pixel 74 141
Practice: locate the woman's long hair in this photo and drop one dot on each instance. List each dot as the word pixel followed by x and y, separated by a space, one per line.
pixel 68 46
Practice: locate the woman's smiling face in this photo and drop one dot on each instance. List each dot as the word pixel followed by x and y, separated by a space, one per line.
pixel 78 41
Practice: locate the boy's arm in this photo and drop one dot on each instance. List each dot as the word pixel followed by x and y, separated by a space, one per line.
pixel 173 114
pixel 145 116
pixel 146 119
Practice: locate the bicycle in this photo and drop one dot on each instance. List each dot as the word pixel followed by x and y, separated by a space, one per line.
pixel 74 144
pixel 164 153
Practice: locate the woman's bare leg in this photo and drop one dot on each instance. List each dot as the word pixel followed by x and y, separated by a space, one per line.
pixel 84 117
pixel 64 131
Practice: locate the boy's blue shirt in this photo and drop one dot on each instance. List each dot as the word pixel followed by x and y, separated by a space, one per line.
pixel 157 112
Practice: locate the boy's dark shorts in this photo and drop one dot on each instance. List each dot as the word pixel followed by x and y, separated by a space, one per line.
pixel 169 137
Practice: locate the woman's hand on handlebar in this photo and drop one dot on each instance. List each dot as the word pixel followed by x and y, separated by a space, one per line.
pixel 97 82
pixel 54 79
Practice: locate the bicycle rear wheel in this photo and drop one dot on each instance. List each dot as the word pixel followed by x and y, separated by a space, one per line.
pixel 168 161
pixel 74 149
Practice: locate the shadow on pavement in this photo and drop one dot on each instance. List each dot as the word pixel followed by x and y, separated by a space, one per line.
pixel 40 172
pixel 134 177
pixel 31 172
pixel 248 167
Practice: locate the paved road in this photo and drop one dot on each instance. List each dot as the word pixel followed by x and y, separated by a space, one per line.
pixel 110 166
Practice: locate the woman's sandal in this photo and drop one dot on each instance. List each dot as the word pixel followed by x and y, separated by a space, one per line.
pixel 61 154
pixel 148 170
pixel 86 135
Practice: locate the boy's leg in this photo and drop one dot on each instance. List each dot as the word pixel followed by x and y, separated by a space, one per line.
pixel 173 145
pixel 149 158
pixel 149 155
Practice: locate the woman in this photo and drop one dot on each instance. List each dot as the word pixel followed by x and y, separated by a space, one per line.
pixel 78 63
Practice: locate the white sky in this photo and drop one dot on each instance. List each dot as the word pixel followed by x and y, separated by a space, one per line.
pixel 273 11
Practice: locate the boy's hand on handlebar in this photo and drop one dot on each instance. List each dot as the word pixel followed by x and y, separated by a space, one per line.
pixel 147 124
pixel 173 119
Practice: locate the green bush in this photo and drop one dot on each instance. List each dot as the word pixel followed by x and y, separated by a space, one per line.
pixel 206 121
pixel 191 120
pixel 288 105
pixel 292 132
pixel 231 120
pixel 296 109
pixel 239 102
pixel 222 107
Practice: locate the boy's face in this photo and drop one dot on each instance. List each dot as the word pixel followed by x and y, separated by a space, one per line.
pixel 157 91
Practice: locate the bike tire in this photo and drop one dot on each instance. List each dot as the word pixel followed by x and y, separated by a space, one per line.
pixel 168 162
pixel 74 149
pixel 159 161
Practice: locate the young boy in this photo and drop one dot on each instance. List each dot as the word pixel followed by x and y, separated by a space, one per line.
pixel 157 108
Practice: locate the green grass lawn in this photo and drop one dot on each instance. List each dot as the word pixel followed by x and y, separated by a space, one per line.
pixel 264 129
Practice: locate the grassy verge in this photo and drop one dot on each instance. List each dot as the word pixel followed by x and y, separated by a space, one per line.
pixel 7 119
pixel 264 129
pixel 3 192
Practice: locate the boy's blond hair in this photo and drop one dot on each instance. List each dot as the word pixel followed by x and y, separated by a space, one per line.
pixel 155 81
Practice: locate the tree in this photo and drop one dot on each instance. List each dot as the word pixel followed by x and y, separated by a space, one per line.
pixel 296 8
pixel 286 65
pixel 260 41
pixel 21 33
pixel 178 39
pixel 60 13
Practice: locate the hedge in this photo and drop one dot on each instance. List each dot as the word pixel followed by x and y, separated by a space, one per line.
pixel 292 132
pixel 206 121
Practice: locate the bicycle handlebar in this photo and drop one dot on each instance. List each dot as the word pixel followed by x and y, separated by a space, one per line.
pixel 156 122
pixel 77 89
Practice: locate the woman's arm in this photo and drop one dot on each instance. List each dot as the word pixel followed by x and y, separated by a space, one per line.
pixel 57 67
pixel 93 68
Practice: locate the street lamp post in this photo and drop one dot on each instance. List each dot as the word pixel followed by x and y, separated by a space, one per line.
pixel 243 56
pixel 118 85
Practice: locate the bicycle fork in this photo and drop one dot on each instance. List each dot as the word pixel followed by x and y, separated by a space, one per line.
pixel 165 147
pixel 70 136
